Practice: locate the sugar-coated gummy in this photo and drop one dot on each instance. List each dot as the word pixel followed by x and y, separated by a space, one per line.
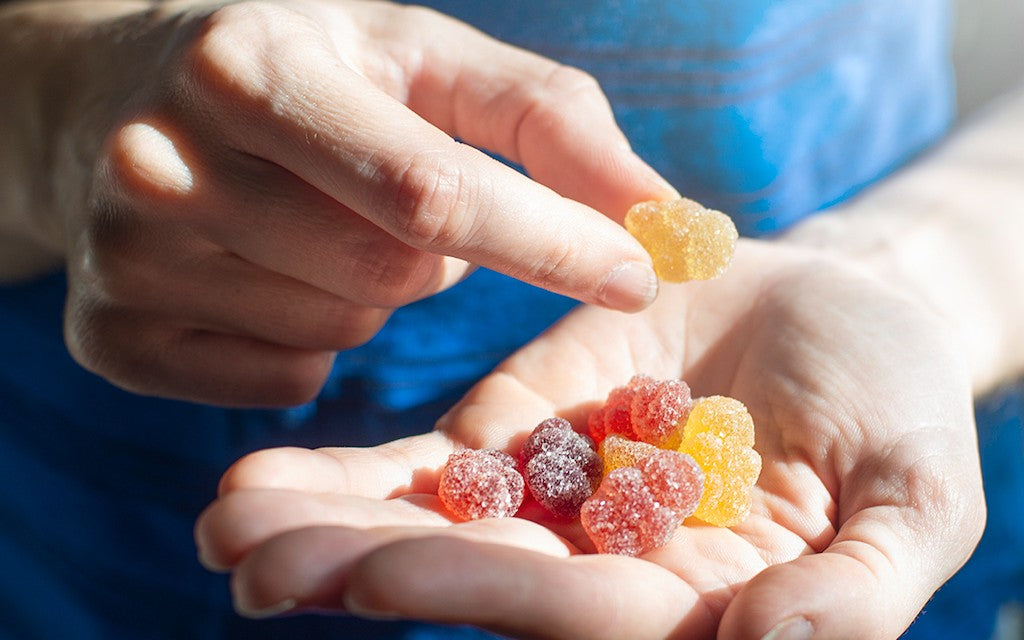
pixel 658 410
pixel 617 451
pixel 719 434
pixel 481 483
pixel 624 517
pixel 686 241
pixel 614 415
pixel 560 466
pixel 645 409
pixel 675 479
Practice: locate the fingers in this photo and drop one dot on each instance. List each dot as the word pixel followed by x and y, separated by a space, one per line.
pixel 140 353
pixel 507 575
pixel 237 523
pixel 878 573
pixel 552 119
pixel 372 154
pixel 524 594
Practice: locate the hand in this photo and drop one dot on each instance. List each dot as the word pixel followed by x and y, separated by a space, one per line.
pixel 869 498
pixel 256 186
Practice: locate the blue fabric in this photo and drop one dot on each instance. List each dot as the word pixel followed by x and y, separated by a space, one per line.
pixel 766 109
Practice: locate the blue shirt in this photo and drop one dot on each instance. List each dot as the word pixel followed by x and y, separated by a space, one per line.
pixel 766 109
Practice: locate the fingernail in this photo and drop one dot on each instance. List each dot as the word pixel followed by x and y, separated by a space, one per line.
pixel 631 286
pixel 796 628
pixel 247 610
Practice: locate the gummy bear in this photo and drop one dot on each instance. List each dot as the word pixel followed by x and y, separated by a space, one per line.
pixel 686 241
pixel 675 479
pixel 658 410
pixel 617 451
pixel 560 466
pixel 719 434
pixel 614 415
pixel 636 509
pixel 644 409
pixel 623 517
pixel 481 483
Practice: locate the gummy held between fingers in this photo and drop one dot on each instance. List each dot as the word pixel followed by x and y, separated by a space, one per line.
pixel 686 241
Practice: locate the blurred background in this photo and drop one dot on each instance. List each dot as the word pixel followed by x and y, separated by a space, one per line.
pixel 989 53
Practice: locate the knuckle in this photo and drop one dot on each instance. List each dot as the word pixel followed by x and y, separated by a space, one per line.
pixel 102 340
pixel 396 277
pixel 141 163
pixel 556 265
pixel 103 268
pixel 238 52
pixel 553 101
pixel 433 202
pixel 566 81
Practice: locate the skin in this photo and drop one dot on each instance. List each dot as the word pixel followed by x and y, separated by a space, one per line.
pixel 226 228
pixel 265 190
pixel 869 498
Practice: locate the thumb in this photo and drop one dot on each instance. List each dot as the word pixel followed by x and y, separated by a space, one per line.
pixel 870 582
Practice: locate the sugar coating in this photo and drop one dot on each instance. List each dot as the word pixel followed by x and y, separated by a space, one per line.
pixel 614 415
pixel 658 410
pixel 719 434
pixel 560 466
pixel 686 240
pixel 617 451
pixel 624 517
pixel 644 409
pixel 481 483
pixel 675 479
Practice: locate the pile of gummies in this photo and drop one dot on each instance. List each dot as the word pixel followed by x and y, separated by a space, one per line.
pixel 654 457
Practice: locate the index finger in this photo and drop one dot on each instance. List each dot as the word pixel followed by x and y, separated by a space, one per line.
pixel 373 154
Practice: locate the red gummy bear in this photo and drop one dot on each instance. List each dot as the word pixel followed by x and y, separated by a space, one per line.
pixel 623 517
pixel 644 409
pixel 481 483
pixel 636 509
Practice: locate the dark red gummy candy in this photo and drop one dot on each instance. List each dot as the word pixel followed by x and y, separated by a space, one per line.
pixel 560 466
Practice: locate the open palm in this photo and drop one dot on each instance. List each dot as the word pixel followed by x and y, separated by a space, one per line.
pixel 869 498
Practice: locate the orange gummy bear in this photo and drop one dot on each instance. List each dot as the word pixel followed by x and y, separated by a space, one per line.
pixel 617 451
pixel 719 435
pixel 686 240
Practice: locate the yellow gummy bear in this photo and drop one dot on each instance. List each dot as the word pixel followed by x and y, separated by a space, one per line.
pixel 719 434
pixel 686 241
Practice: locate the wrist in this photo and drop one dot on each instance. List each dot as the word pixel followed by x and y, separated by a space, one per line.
pixel 946 231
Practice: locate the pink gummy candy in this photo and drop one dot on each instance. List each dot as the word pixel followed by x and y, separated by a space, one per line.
pixel 645 409
pixel 613 415
pixel 623 516
pixel 481 483
pixel 675 479
pixel 659 410
pixel 560 466
pixel 636 509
